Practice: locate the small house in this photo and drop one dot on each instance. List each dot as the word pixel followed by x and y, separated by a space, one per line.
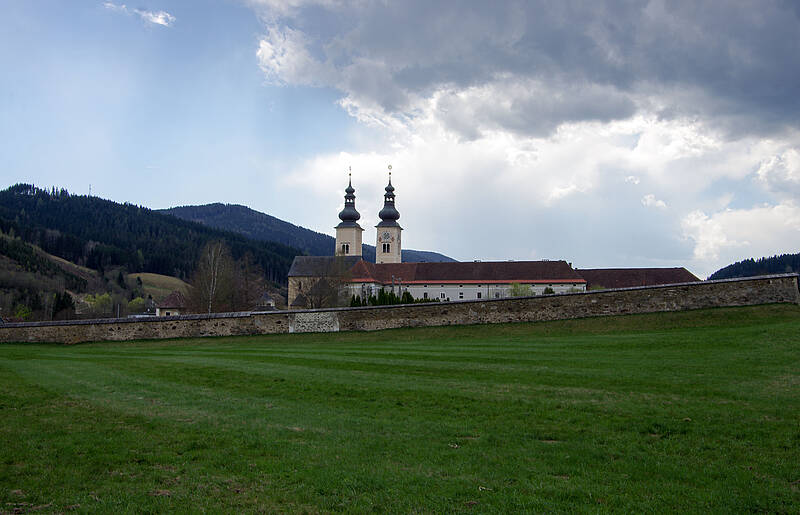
pixel 174 304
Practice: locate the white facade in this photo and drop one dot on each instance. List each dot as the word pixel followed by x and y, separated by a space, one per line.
pixel 168 312
pixel 461 291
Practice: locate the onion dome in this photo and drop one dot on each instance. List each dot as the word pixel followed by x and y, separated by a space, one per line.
pixel 389 214
pixel 349 216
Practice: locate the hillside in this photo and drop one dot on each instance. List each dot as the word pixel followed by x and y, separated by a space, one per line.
pixel 263 227
pixel 101 234
pixel 785 263
pixel 33 283
pixel 158 286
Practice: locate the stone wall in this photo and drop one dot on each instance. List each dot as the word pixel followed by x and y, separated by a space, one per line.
pixel 123 329
pixel 675 297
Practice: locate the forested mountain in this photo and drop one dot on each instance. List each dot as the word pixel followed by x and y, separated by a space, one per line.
pixel 99 234
pixel 785 263
pixel 33 285
pixel 261 226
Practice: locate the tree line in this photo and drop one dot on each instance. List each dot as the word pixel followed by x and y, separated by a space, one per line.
pixel 221 283
pixel 784 263
pixel 102 234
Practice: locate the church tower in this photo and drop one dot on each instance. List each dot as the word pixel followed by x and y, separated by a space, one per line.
pixel 387 248
pixel 348 232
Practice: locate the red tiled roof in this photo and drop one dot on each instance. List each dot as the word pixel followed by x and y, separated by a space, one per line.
pixel 630 277
pixel 468 272
pixel 173 300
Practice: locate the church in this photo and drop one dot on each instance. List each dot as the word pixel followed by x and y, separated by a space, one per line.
pixel 346 273
pixel 326 281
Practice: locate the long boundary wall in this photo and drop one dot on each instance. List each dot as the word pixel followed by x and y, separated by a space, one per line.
pixel 672 297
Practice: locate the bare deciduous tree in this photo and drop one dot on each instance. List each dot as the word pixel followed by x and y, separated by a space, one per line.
pixel 249 283
pixel 212 285
pixel 328 291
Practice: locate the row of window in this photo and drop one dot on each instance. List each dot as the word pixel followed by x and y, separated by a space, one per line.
pixel 460 295
pixel 480 286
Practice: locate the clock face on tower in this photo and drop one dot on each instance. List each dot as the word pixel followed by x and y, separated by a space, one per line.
pixel 386 236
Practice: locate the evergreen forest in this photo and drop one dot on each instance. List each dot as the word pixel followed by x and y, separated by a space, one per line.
pixel 785 263
pixel 101 234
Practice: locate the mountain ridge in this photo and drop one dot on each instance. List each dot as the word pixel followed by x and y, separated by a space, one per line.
pixel 100 233
pixel 264 227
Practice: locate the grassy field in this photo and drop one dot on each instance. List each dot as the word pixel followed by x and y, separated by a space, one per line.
pixel 159 286
pixel 696 411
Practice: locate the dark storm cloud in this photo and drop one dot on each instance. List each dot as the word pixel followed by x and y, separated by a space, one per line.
pixel 733 63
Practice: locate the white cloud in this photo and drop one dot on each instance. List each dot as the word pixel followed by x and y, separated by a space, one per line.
pixel 530 66
pixel 285 59
pixel 526 106
pixel 115 7
pixel 735 234
pixel 650 200
pixel 156 17
pixel 162 18
pixel 509 129
pixel 275 8
pixel 781 173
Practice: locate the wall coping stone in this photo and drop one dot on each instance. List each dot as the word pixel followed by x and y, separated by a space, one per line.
pixel 127 320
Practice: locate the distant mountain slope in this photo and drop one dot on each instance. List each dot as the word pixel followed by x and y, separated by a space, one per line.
pixel 785 263
pixel 26 267
pixel 99 234
pixel 261 226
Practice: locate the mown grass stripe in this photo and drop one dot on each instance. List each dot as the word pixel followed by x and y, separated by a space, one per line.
pixel 686 412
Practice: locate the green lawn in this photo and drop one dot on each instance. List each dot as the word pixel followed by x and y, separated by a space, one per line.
pixel 696 411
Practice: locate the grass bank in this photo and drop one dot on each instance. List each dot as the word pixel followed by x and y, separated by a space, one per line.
pixel 159 286
pixel 695 411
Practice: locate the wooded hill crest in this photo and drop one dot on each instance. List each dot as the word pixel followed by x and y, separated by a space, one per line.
pixel 99 234
pixel 264 227
pixel 785 263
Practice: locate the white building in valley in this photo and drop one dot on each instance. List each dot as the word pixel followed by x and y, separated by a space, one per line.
pixel 453 281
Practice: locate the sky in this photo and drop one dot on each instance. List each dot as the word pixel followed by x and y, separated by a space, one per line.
pixel 605 133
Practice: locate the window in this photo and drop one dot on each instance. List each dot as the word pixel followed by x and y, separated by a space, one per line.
pixel 345 248
pixel 425 295
pixel 497 295
pixel 461 295
pixel 479 295
pixel 441 295
pixel 386 248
